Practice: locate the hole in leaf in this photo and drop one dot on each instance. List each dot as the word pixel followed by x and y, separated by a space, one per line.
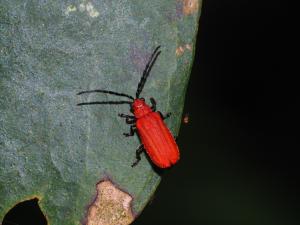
pixel 27 212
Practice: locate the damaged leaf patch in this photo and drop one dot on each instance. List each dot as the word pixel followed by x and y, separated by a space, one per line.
pixel 112 206
pixel 190 6
pixel 181 49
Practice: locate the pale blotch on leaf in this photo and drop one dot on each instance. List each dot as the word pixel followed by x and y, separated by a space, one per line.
pixel 82 7
pixel 189 47
pixel 112 206
pixel 181 49
pixel 190 6
pixel 89 8
pixel 70 8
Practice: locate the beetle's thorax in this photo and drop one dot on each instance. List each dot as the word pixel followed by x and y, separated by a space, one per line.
pixel 140 108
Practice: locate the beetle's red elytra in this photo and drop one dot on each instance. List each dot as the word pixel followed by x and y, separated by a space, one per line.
pixel 155 136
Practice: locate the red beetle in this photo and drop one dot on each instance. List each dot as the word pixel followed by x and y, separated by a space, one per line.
pixel 155 136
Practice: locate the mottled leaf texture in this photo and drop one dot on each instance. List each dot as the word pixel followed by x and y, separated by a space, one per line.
pixel 58 152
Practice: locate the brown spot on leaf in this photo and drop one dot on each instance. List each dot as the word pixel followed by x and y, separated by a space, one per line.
pixel 190 6
pixel 181 49
pixel 112 206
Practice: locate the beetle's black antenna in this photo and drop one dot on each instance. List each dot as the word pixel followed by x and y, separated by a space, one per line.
pixel 147 70
pixel 108 102
pixel 107 92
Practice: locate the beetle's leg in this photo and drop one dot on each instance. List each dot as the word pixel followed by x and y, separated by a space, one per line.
pixel 153 102
pixel 130 121
pixel 138 153
pixel 132 131
pixel 125 116
pixel 165 116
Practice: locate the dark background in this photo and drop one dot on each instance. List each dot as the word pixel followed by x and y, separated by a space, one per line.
pixel 239 163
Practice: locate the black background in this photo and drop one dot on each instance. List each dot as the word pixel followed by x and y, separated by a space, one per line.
pixel 239 161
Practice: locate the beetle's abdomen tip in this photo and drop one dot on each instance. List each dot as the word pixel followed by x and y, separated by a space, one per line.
pixel 168 164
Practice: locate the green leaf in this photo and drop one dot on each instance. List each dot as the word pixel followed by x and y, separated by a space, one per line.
pixel 50 50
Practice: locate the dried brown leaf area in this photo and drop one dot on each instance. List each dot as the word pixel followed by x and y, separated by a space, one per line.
pixel 111 207
pixel 181 49
pixel 190 6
